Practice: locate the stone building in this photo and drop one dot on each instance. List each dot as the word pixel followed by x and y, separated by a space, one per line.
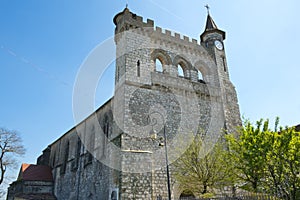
pixel 168 88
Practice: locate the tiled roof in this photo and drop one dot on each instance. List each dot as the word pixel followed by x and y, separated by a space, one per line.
pixel 30 172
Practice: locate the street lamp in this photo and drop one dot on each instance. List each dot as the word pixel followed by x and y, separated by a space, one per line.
pixel 153 133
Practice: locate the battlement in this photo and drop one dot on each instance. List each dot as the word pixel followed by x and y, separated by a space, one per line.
pixel 127 20
pixel 139 19
pixel 130 20
pixel 175 36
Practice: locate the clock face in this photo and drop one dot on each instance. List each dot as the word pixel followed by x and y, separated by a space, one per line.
pixel 219 44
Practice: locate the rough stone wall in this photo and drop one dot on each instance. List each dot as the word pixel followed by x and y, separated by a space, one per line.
pixel 230 101
pixel 29 187
pixel 146 99
pixel 78 170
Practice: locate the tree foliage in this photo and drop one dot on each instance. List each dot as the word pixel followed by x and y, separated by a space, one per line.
pixel 249 154
pixel 267 160
pixel 10 146
pixel 201 172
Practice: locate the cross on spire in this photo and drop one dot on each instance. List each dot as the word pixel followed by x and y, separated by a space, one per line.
pixel 207 7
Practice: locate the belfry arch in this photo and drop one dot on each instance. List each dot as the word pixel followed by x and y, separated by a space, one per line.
pixel 180 61
pixel 209 75
pixel 163 57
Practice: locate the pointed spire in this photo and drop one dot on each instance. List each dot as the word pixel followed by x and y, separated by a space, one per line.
pixel 211 26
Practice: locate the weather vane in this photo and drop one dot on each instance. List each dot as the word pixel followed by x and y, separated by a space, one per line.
pixel 207 7
pixel 126 3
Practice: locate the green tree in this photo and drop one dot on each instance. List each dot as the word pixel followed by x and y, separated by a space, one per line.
pixel 267 160
pixel 249 154
pixel 201 172
pixel 10 147
pixel 283 164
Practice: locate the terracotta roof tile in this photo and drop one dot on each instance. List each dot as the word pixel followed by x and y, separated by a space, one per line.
pixel 30 172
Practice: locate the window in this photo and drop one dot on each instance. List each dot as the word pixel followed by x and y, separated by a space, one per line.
pixel 180 70
pixel 200 77
pixel 66 157
pixel 77 158
pixel 183 67
pixel 158 65
pixel 54 160
pixel 113 195
pixel 138 68
pixel 78 149
pixel 224 64
pixel 106 132
pixel 91 147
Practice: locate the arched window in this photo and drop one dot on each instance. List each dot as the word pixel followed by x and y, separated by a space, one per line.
pixel 158 65
pixel 200 77
pixel 184 67
pixel 161 59
pixel 180 70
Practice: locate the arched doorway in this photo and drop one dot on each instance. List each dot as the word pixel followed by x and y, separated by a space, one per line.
pixel 187 195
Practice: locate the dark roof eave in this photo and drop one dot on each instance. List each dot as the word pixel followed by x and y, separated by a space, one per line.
pixel 213 31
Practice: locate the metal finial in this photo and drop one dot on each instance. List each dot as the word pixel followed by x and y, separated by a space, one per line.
pixel 127 4
pixel 207 7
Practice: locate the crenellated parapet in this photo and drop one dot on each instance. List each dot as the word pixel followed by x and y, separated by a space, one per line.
pixel 128 21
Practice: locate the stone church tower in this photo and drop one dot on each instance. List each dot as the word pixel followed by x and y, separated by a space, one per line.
pixel 173 84
pixel 168 88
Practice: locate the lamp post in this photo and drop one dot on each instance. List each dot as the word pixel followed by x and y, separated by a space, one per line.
pixel 166 150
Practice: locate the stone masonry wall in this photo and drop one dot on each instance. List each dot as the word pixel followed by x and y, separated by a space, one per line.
pixel 147 99
pixel 78 170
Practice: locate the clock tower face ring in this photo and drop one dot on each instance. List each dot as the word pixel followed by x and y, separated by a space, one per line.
pixel 218 44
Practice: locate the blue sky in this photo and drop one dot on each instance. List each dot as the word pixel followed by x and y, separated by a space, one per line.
pixel 43 43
